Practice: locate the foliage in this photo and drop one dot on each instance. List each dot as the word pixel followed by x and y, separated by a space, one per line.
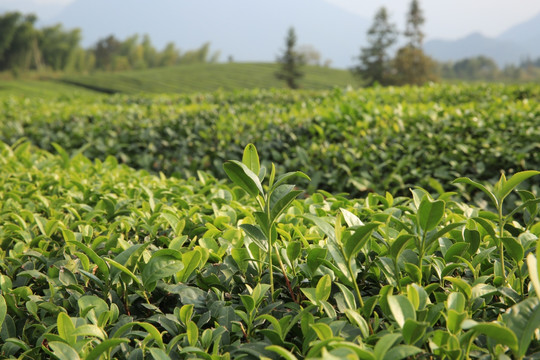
pixel 410 66
pixel 290 62
pixel 17 45
pixel 371 140
pixel 415 20
pixel 374 60
pixel 102 261
pixel 24 47
pixel 475 68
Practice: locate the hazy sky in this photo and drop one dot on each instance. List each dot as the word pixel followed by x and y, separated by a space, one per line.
pixel 448 19
pixel 454 18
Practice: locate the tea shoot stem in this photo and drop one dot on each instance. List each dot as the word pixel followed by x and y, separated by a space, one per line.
pixel 501 245
pixel 355 283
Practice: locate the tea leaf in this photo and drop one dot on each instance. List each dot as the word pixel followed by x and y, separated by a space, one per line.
pixel 401 308
pixel 251 158
pixel 430 213
pixel 242 176
pixel 63 351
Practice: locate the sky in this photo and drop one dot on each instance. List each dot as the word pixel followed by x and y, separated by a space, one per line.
pixel 445 19
pixel 452 19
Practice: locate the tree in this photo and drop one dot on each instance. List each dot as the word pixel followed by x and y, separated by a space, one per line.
pixel 105 51
pixel 310 55
pixel 415 19
pixel 290 62
pixel 411 65
pixel 58 46
pixel 18 42
pixel 476 68
pixel 374 61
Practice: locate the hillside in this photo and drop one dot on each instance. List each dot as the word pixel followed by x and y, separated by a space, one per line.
pixel 206 77
pixel 41 88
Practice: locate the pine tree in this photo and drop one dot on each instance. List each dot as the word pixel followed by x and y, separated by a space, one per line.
pixel 290 62
pixel 374 61
pixel 415 19
pixel 411 65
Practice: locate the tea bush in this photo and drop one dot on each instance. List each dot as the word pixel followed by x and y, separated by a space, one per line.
pixel 100 261
pixel 354 141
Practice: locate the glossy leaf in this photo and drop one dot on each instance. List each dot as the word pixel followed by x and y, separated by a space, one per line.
pixel 465 180
pixel 251 158
pixel 514 248
pixel 242 176
pixel 430 213
pixel 324 288
pixel 358 239
pixel 513 182
pixel 63 351
pixel 162 265
pixel 401 308
pixel 523 319
pixel 3 310
pixel 500 334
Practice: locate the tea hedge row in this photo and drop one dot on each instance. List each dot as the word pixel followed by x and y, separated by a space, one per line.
pixel 98 260
pixel 385 139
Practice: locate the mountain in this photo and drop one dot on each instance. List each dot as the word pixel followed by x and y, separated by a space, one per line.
pixel 526 34
pixel 247 30
pixel 502 51
pixel 512 46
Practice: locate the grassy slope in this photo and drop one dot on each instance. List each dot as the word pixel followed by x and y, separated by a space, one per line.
pixel 207 77
pixel 41 88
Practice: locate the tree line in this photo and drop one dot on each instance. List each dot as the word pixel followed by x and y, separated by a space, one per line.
pixel 25 47
pixel 409 64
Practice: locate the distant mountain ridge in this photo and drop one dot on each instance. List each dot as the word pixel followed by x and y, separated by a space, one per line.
pixel 243 29
pixel 512 46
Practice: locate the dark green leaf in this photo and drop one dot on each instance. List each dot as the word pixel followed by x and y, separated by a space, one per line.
pixel 256 234
pixel 523 319
pixel 430 213
pixel 500 334
pixel 401 352
pixel 465 180
pixel 282 203
pixel 514 248
pixel 161 265
pixel 242 176
pixel 413 331
pixel 358 239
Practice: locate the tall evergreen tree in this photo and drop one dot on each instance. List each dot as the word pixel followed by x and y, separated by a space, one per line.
pixel 411 65
pixel 290 62
pixel 415 20
pixel 374 60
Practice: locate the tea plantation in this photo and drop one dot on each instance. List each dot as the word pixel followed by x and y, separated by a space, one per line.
pixel 143 227
pixel 348 141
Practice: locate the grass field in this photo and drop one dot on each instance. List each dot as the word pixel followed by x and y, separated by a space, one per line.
pixel 41 88
pixel 207 77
